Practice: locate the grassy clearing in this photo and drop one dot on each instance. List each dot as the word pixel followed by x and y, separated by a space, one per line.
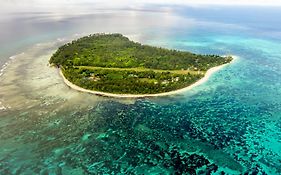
pixel 141 69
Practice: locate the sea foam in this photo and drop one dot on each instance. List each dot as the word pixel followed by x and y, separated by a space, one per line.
pixel 11 59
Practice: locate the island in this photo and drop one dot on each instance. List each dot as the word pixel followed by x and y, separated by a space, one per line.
pixel 112 65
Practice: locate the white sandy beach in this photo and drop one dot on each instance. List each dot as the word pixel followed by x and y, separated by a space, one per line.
pixel 208 74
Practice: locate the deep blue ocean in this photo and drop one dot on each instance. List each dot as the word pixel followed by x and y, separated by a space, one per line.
pixel 229 125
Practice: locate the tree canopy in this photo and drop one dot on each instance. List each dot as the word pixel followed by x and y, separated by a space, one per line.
pixel 112 63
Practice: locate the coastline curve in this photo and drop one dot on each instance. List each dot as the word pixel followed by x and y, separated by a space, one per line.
pixel 207 75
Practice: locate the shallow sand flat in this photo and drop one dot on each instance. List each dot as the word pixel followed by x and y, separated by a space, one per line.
pixel 29 81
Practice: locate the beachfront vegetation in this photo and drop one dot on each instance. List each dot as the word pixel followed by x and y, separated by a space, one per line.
pixel 112 63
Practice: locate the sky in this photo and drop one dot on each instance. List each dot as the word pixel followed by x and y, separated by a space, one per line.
pixel 61 5
pixel 130 2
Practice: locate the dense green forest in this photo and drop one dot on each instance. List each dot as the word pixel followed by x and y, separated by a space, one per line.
pixel 112 63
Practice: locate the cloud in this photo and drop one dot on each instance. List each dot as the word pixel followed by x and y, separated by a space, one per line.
pixel 132 2
pixel 222 2
pixel 80 5
pixel 208 2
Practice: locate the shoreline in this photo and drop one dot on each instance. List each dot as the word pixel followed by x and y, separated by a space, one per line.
pixel 206 77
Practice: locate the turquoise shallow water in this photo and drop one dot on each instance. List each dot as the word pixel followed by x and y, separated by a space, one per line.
pixel 229 125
